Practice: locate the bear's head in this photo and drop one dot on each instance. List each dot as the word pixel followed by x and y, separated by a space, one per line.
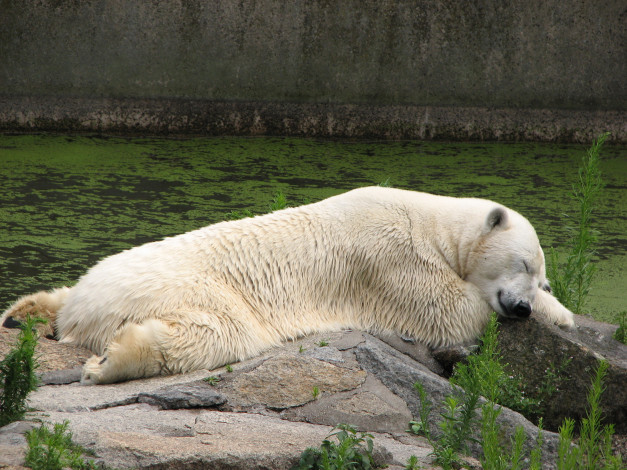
pixel 507 263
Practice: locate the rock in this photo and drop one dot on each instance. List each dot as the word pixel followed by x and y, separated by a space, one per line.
pixel 399 373
pixel 140 436
pixel 176 397
pixel 449 357
pixel 414 349
pixel 13 443
pixel 51 354
pixel 531 348
pixel 61 377
pixel 327 354
pixel 75 397
pixel 284 382
pixel 263 414
pixel 371 407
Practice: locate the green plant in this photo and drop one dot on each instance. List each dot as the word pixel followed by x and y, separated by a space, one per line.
pixel 621 332
pixel 229 368
pixel 572 284
pixel 484 373
pixel 495 456
pixel 278 202
pixel 315 392
pixel 535 459
pixel 594 451
pixel 322 343
pixel 54 450
pixel 595 440
pixel 554 376
pixel 212 380
pixel 568 455
pixel 238 214
pixel 459 418
pixel 386 183
pixel 412 463
pixel 421 427
pixel 352 452
pixel 17 373
pixel 301 349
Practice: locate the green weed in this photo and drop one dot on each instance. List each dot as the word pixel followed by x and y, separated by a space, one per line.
pixel 351 452
pixel 571 284
pixel 238 214
pixel 228 368
pixel 212 380
pixel 459 420
pixel 595 440
pixel 17 373
pixel 315 392
pixel 54 450
pixel 594 451
pixel 482 375
pixel 278 202
pixel 412 463
pixel 322 343
pixel 485 374
pixel 621 333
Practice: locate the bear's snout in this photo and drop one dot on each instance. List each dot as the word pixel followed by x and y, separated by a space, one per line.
pixel 513 308
pixel 522 309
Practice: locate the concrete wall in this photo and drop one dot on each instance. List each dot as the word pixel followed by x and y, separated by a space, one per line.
pixel 554 69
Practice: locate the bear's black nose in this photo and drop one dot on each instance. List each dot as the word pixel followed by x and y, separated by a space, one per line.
pixel 522 309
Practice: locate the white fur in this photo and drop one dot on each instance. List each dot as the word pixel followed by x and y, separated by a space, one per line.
pixel 376 259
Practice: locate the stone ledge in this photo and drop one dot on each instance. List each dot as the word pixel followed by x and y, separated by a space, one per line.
pixel 171 116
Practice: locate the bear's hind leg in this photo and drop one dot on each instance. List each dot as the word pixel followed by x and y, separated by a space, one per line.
pixel 131 355
pixel 182 343
pixel 43 304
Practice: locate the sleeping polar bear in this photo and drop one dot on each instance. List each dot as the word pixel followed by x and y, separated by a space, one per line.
pixel 376 259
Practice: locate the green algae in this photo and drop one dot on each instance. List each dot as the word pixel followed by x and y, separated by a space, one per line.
pixel 67 201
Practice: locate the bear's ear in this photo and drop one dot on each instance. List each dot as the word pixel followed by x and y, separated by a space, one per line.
pixel 497 218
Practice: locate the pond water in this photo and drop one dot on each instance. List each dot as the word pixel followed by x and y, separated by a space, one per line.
pixel 68 201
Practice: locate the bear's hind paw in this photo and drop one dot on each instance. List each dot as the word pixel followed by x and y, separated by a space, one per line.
pixel 93 370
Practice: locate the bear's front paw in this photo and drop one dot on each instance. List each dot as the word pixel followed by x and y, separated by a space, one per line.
pixel 567 321
pixel 93 370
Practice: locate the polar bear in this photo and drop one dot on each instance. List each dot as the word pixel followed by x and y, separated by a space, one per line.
pixel 375 259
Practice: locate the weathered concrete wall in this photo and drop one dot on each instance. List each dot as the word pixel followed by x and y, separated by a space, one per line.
pixel 309 63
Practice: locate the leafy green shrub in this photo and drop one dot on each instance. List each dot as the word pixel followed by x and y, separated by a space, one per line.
pixel 352 452
pixel 54 450
pixel 571 284
pixel 17 373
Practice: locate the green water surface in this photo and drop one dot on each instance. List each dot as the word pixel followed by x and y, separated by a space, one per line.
pixel 68 201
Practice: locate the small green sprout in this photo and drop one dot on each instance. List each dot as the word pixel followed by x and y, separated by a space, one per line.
pixel 212 380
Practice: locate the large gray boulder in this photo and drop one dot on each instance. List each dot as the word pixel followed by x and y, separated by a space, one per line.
pixel 535 350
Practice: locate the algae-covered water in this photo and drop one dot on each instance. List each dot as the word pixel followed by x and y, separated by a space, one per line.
pixel 68 201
